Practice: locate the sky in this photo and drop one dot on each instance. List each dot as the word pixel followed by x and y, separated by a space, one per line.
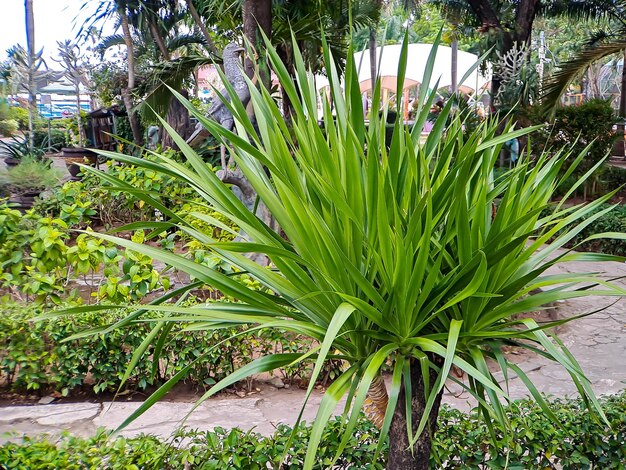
pixel 55 20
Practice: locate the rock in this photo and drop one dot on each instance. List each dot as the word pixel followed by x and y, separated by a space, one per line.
pixel 46 400
pixel 240 394
pixel 277 382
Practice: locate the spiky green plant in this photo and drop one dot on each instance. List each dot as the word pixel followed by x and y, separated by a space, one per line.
pixel 409 254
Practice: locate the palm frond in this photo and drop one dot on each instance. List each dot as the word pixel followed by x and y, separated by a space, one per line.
pixel 561 79
pixel 184 40
pixel 170 74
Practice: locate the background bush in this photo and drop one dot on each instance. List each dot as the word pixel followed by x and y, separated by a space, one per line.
pixel 462 442
pixel 591 121
pixel 614 221
pixel 33 356
pixel 8 127
pixel 20 115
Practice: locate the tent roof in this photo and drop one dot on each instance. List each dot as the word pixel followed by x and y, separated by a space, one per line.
pixel 417 56
pixel 62 88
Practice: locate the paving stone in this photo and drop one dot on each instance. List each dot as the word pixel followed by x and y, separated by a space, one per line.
pixel 70 416
pixel 60 413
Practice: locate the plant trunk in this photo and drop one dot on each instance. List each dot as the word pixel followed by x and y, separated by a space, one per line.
pixel 205 32
pixel 32 97
pixel 127 92
pixel 375 405
pixel 178 118
pixel 454 64
pixel 373 67
pixel 400 455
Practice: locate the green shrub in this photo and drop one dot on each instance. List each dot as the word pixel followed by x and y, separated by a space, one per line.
pixel 611 178
pixel 53 141
pixel 20 115
pixel 8 127
pixel 589 122
pixel 38 259
pixel 462 442
pixel 614 221
pixel 33 356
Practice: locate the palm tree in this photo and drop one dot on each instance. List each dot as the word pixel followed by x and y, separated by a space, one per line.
pixel 387 255
pixel 120 11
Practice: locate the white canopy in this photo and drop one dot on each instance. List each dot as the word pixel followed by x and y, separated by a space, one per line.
pixel 417 56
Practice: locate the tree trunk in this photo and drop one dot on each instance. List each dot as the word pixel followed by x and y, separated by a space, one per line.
pixel 158 40
pixel 205 32
pixel 32 97
pixel 257 17
pixel 400 455
pixel 79 122
pixel 178 118
pixel 454 64
pixel 127 92
pixel 286 55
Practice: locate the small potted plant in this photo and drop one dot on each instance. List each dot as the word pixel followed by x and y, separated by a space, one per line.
pixel 18 149
pixel 27 180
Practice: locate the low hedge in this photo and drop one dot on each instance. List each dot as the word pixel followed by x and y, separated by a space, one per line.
pixel 32 356
pixel 614 221
pixel 579 441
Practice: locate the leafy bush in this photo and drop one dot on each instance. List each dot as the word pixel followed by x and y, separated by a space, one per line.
pixel 53 141
pixel 20 115
pixel 38 259
pixel 32 174
pixel 8 127
pixel 577 127
pixel 33 356
pixel 614 221
pixel 611 178
pixel 580 442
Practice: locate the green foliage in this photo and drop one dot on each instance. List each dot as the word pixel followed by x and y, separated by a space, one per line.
pixel 134 279
pixel 590 123
pixel 38 258
pixel 19 148
pixel 8 127
pixel 34 355
pixel 52 142
pixel 613 221
pixel 579 442
pixel 31 174
pixel 612 178
pixel 20 115
pixel 384 255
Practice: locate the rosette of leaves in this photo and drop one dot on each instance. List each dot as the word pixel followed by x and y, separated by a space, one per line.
pixel 410 254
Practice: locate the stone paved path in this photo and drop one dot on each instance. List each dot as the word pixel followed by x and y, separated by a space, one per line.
pixel 598 342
